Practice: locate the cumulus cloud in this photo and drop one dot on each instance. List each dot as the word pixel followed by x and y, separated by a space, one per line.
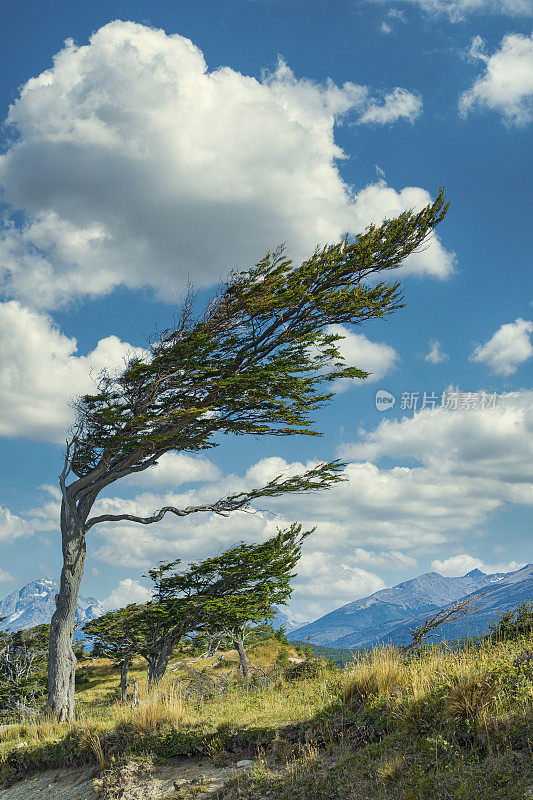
pixel 377 358
pixel 127 149
pixel 12 527
pixel 173 469
pixel 40 373
pixel 463 563
pixel 387 560
pixel 457 10
pixel 435 354
pixel 509 347
pixel 319 572
pixel 127 591
pixel 396 105
pixel 507 83
pixel 492 444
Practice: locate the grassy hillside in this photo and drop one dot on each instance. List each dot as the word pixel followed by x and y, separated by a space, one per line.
pixel 440 725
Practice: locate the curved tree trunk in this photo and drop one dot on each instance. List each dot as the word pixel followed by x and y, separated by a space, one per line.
pixel 243 658
pixel 61 660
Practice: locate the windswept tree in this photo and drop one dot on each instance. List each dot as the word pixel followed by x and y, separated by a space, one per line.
pixel 113 636
pixel 253 363
pixel 230 593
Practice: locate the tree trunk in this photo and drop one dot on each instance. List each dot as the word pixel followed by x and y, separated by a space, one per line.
pixel 214 644
pixel 124 669
pixel 243 658
pixel 158 663
pixel 61 660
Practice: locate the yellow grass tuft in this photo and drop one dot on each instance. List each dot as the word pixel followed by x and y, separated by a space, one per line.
pixel 380 674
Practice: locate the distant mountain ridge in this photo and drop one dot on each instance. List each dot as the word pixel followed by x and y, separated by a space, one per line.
pixel 387 615
pixel 492 600
pixel 34 604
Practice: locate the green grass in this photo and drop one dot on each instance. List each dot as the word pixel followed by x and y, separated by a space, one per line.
pixel 443 724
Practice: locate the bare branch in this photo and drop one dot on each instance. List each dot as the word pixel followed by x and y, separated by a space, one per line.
pixel 216 508
pixel 318 478
pixel 450 614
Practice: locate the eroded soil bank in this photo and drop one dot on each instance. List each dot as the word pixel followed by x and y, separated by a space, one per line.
pixel 132 781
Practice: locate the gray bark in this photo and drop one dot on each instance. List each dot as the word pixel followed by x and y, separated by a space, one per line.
pixel 61 660
pixel 158 663
pixel 243 658
pixel 124 669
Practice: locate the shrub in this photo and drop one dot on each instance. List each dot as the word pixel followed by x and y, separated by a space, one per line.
pixel 378 676
pixel 469 696
pixel 513 624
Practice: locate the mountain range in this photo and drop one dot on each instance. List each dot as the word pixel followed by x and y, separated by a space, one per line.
pixel 34 604
pixel 386 616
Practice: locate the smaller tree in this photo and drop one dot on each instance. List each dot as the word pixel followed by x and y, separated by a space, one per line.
pixel 23 663
pixel 114 635
pixel 242 588
pixel 222 595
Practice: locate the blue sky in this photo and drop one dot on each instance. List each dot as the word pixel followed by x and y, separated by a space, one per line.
pixel 148 144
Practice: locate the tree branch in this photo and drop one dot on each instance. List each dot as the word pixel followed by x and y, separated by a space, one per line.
pixel 318 478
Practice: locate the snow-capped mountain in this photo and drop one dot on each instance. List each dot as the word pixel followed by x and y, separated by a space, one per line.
pixel 34 604
pixel 490 601
pixel 284 620
pixel 371 620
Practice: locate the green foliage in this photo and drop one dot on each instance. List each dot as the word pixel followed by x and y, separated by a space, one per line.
pixel 226 593
pixel 254 362
pixel 115 635
pixel 514 623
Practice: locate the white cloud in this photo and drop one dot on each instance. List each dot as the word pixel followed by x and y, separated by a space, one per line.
pixel 319 573
pixel 492 445
pixel 463 563
pixel 5 577
pixel 457 10
pixel 377 358
pixel 128 149
pixel 394 15
pixel 507 83
pixel 173 469
pixel 398 104
pixel 127 591
pixel 435 354
pixel 11 526
pixel 40 373
pixel 509 347
pixel 386 560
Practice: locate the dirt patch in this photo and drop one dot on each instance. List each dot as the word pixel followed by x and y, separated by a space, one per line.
pixel 57 784
pixel 132 781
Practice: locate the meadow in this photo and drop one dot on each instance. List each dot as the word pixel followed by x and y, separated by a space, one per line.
pixel 437 724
